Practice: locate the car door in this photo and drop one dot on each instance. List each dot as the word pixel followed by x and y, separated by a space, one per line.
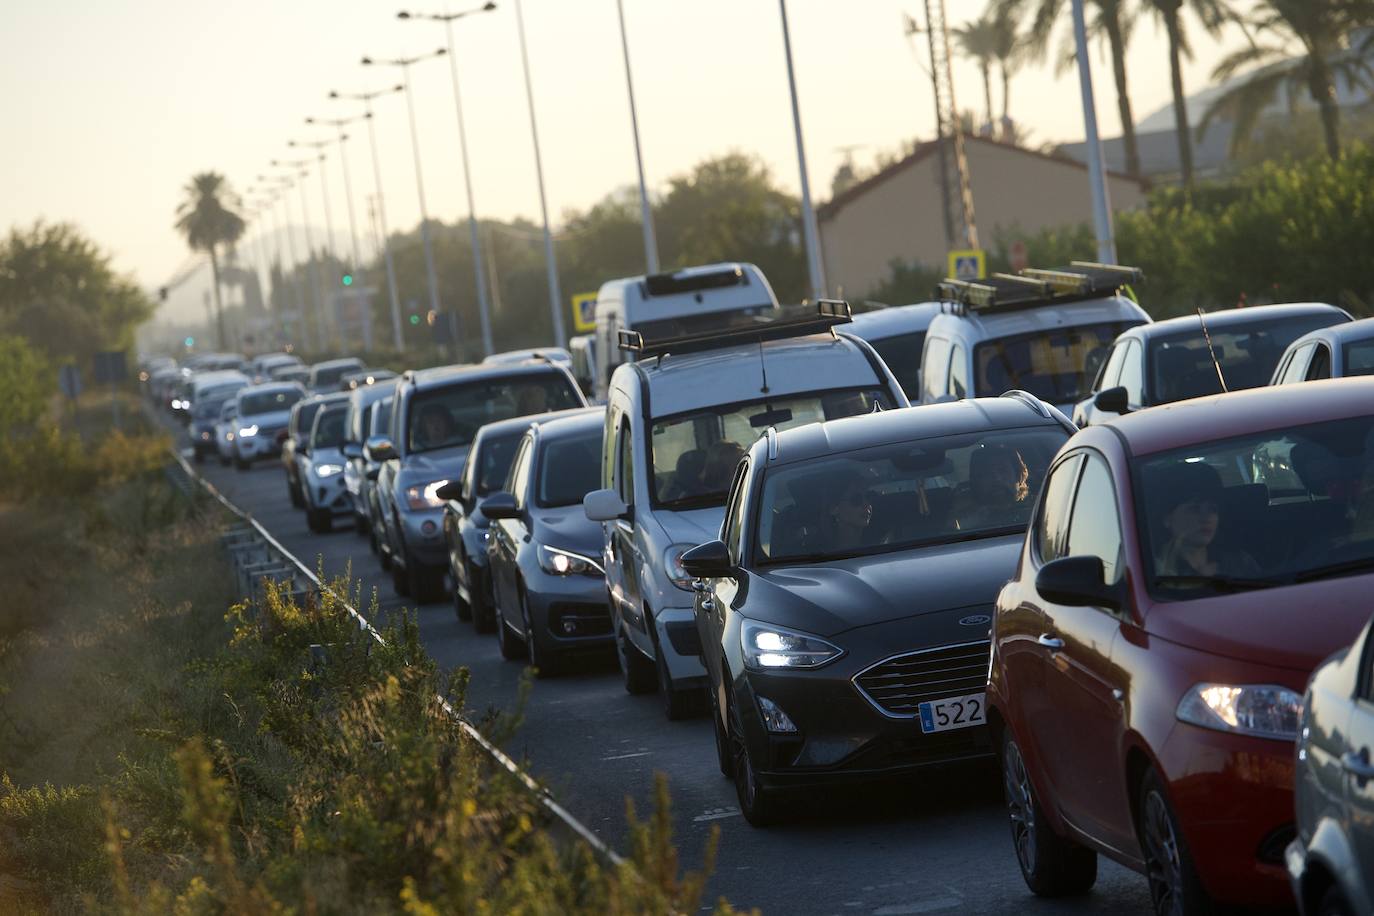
pixel 1359 791
pixel 507 534
pixel 1086 690
pixel 624 544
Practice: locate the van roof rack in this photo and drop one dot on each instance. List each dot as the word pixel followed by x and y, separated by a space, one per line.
pixel 828 313
pixel 1035 286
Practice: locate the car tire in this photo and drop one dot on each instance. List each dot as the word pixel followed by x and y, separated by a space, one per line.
pixel 544 660
pixel 637 671
pixel 486 617
pixel 1333 903
pixel 512 649
pixel 223 461
pixel 1051 865
pixel 372 541
pixel 359 525
pixel 199 457
pixel 240 464
pixel 758 805
pixel 400 582
pixel 319 520
pixel 294 492
pixel 677 704
pixel 1174 883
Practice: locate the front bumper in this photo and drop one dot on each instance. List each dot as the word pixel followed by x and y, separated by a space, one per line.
pixel 422 531
pixel 261 445
pixel 569 613
pixel 328 493
pixel 680 645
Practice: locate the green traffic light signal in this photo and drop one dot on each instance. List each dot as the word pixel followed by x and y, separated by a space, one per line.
pixel 190 341
pixel 347 279
pixel 414 319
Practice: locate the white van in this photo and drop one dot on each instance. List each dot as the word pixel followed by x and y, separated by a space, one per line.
pixel 662 306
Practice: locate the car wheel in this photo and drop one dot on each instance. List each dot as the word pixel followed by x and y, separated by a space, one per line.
pixel 758 805
pixel 677 704
pixel 1174 884
pixel 400 582
pixel 240 464
pixel 722 737
pixel 425 582
pixel 546 663
pixel 486 617
pixel 319 520
pixel 511 648
pixel 461 607
pixel 637 671
pixel 1334 904
pixel 295 493
pixel 1051 865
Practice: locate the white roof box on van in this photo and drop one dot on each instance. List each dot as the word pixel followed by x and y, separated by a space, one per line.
pixel 726 287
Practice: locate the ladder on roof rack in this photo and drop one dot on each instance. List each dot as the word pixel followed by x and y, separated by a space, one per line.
pixel 1080 280
pixel 828 314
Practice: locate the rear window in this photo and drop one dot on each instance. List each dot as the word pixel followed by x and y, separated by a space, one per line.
pixel 1181 366
pixel 328 376
pixel 569 469
pixel 449 417
pixel 1057 365
pixel 903 356
pixel 306 415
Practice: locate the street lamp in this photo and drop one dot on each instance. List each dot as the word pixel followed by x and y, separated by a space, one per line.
pixel 650 242
pixel 318 146
pixel 339 124
pixel 813 251
pixel 405 63
pixel 555 295
pixel 366 98
pixel 281 188
pixel 479 270
pixel 304 171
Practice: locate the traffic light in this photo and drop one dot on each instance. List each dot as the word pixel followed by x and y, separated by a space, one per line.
pixel 190 342
pixel 414 319
pixel 347 279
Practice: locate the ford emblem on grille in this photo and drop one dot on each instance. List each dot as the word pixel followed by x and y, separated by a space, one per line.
pixel 975 620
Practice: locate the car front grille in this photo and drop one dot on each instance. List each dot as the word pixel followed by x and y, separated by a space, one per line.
pixel 899 685
pixel 579 619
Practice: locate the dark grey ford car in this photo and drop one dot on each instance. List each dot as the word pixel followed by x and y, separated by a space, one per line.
pixel 844 611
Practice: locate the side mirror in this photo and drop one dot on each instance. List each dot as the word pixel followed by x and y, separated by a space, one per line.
pixel 374 473
pixel 379 448
pixel 1112 400
pixel 605 506
pixel 1076 582
pixel 708 561
pixel 499 505
pixel 451 490
pixel 352 450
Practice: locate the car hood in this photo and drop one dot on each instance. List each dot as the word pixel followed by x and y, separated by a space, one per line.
pixel 568 527
pixel 693 526
pixel 324 456
pixel 1292 626
pixel 829 598
pixel 440 464
pixel 275 420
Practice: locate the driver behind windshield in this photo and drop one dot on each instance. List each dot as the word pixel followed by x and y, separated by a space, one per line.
pixel 998 490
pixel 843 526
pixel 435 427
pixel 1190 499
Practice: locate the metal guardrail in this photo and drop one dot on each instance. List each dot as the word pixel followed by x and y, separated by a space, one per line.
pixel 259 558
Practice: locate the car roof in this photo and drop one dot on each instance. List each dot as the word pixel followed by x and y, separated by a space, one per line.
pixel 218 377
pixel 1221 416
pixel 442 376
pixel 336 363
pixel 557 354
pixel 951 418
pixel 708 378
pixel 266 387
pixel 893 321
pixel 570 423
pixel 368 394
pixel 989 325
pixel 326 398
pixel 515 425
pixel 1338 333
pixel 1233 316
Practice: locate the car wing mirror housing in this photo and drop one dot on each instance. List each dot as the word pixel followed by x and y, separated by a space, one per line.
pixel 1077 582
pixel 379 448
pixel 499 505
pixel 352 450
pixel 708 561
pixel 605 506
pixel 451 490
pixel 1112 400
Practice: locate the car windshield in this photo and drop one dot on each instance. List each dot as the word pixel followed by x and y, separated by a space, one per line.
pixel 1056 365
pixel 450 416
pixel 268 402
pixel 1269 508
pixel 291 374
pixel 306 415
pixel 329 429
pixel 694 454
pixel 904 495
pixel 903 356
pixel 495 459
pixel 1358 356
pixel 1181 365
pixel 569 469
pixel 328 376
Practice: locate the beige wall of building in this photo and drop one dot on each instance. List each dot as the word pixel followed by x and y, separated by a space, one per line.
pixel 896 214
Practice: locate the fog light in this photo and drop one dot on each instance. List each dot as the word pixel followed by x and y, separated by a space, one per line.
pixel 569 626
pixel 774 719
pixel 429 528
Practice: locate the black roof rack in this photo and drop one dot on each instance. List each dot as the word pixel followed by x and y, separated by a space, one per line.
pixel 829 312
pixel 1035 286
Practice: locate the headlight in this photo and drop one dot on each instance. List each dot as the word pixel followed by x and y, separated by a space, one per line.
pixel 769 646
pixel 1261 710
pixel 424 496
pixel 328 470
pixel 557 562
pixel 247 432
pixel 672 561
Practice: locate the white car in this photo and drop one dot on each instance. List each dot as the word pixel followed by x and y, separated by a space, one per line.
pixel 226 430
pixel 322 461
pixel 898 333
pixel 263 412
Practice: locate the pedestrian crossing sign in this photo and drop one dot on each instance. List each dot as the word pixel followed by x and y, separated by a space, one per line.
pixel 584 312
pixel 968 264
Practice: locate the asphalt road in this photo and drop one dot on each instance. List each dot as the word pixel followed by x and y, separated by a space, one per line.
pixel 937 844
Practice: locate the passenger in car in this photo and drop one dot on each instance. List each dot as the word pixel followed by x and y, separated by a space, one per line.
pixel 848 513
pixel 686 475
pixel 998 492
pixel 721 460
pixel 1191 500
pixel 435 427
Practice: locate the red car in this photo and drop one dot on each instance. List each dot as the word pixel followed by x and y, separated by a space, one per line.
pixel 1186 570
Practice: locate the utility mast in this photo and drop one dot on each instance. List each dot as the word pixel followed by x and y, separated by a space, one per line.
pixel 956 193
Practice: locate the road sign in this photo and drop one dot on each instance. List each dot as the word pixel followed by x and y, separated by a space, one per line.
pixel 69 380
pixel 1018 255
pixel 109 367
pixel 968 264
pixel 584 312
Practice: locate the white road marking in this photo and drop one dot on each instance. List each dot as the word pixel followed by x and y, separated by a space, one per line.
pixel 923 906
pixel 715 814
pixel 627 756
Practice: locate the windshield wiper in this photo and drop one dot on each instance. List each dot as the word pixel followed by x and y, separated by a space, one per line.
pixel 1335 569
pixel 1219 583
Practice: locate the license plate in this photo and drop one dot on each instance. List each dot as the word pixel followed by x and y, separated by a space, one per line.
pixel 954 712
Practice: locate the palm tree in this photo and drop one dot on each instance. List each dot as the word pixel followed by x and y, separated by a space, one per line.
pixel 1213 14
pixel 1322 30
pixel 207 221
pixel 1111 20
pixel 1007 47
pixel 978 42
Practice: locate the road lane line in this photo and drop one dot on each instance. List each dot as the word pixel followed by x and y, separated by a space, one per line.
pixel 628 756
pixel 715 814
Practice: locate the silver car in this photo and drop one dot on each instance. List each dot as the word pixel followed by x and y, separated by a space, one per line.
pixel 1331 862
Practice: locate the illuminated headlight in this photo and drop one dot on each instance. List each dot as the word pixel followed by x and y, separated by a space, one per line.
pixel 248 432
pixel 425 496
pixel 672 561
pixel 557 562
pixel 769 646
pixel 328 470
pixel 1261 710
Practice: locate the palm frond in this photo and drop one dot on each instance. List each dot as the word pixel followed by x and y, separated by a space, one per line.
pixel 1243 103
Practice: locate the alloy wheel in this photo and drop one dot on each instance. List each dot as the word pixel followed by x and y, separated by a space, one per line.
pixel 1020 806
pixel 1163 866
pixel 745 783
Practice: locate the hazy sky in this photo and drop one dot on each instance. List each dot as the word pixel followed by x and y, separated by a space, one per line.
pixel 110 106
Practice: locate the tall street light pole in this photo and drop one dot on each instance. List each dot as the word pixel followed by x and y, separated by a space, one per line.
pixel 813 248
pixel 284 186
pixel 1102 210
pixel 405 63
pixel 355 265
pixel 331 315
pixel 555 295
pixel 478 268
pixel 398 339
pixel 321 335
pixel 646 211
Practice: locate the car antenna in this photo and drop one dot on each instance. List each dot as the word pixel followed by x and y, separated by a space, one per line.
pixel 1208 337
pixel 763 367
